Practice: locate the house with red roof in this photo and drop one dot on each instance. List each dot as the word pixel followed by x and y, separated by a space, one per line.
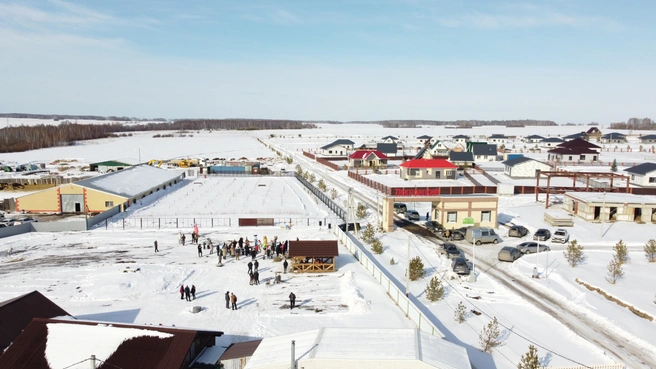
pixel 428 169
pixel 367 159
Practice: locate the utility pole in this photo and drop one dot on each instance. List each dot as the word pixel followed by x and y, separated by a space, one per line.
pixel 407 279
pixel 139 155
pixel 601 216
pixel 472 275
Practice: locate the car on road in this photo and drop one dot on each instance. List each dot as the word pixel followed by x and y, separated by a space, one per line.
pixel 509 254
pixel 8 222
pixel 412 215
pixel 542 234
pixel 517 231
pixel 560 236
pixel 400 207
pixel 450 250
pixel 460 266
pixel 531 247
pixel 434 226
pixel 27 220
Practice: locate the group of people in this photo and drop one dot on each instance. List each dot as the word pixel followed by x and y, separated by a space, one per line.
pixel 187 293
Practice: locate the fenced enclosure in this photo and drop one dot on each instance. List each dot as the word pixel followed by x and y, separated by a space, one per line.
pixel 133 223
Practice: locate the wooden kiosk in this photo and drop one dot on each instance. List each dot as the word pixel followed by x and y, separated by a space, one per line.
pixel 313 256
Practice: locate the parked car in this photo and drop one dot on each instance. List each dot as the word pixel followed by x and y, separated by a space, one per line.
pixel 542 234
pixel 3 224
pixel 460 266
pixel 7 222
pixel 481 235
pixel 560 236
pixel 454 253
pixel 531 247
pixel 412 215
pixel 27 220
pixel 509 253
pixel 351 227
pixel 517 231
pixel 434 226
pixel 400 207
pixel 441 249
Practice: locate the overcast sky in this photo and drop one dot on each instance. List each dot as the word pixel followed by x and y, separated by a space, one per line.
pixel 568 61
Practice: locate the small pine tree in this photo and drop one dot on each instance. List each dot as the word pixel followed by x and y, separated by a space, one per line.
pixel 530 360
pixel 574 253
pixel 392 261
pixel 416 268
pixel 621 252
pixel 368 233
pixel 489 337
pixel 322 185
pixel 615 271
pixel 613 166
pixel 306 175
pixel 333 193
pixel 361 212
pixel 377 246
pixel 434 290
pixel 650 250
pixel 460 314
pixel 289 160
pixel 299 170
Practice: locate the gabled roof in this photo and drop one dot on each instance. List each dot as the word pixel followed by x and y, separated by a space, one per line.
pixel 593 130
pixel 424 137
pixel 363 154
pixel 240 349
pixel 338 142
pixel 461 156
pixel 420 153
pixel 648 137
pixel 131 181
pixel 614 136
pixel 497 135
pixel 460 136
pixel 553 139
pixel 642 169
pixel 572 151
pixel 534 137
pixel 386 148
pixel 579 143
pixel 392 137
pixel 484 149
pixel 576 135
pixel 520 160
pixel 437 143
pixel 429 163
pixel 17 313
pixel 119 345
pixel 110 163
pixel 313 248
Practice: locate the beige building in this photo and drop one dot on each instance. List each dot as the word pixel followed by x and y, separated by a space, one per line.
pixel 100 193
pixel 610 207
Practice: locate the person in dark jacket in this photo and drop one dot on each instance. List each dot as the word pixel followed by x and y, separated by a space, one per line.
pixel 227 298
pixel 187 293
pixel 250 267
pixel 156 249
pixel 182 292
pixel 256 277
pixel 233 301
pixel 193 292
pixel 251 279
pixel 256 265
pixel 284 266
pixel 292 300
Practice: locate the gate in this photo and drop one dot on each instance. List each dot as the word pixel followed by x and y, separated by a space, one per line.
pixel 72 203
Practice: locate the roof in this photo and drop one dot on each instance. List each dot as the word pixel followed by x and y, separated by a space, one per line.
pixel 576 135
pixel 437 143
pixel 386 148
pixel 643 168
pixel 363 154
pixel 110 163
pixel 648 137
pixel 361 347
pixel 484 149
pixel 579 143
pixel 47 343
pixel 497 135
pixel 520 160
pixel 338 142
pixel 130 182
pixel 17 313
pixel 553 139
pixel 386 137
pixel 593 130
pixel 313 248
pixel 572 151
pixel 534 137
pixel 240 349
pixel 420 153
pixel 460 136
pixel 614 136
pixel 612 197
pixel 461 156
pixel 424 137
pixel 429 163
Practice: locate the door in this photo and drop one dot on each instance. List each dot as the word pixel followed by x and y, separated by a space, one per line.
pixel 72 203
pixel 597 212
pixel 637 214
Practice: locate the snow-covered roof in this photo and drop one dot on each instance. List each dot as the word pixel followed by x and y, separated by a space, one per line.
pixel 612 197
pixel 130 182
pixel 380 348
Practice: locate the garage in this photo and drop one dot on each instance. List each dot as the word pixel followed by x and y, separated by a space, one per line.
pixel 72 203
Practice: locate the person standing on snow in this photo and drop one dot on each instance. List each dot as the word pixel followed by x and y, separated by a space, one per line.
pixel 256 265
pixel 292 300
pixel 284 266
pixel 187 293
pixel 227 298
pixel 156 249
pixel 250 267
pixel 233 301
pixel 200 251
pixel 256 277
pixel 182 292
pixel 193 292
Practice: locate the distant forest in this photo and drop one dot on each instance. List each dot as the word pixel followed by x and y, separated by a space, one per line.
pixel 635 124
pixel 462 123
pixel 23 138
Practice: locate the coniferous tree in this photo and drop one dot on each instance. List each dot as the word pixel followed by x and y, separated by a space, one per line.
pixel 460 314
pixel 489 337
pixel 650 250
pixel 574 253
pixel 615 271
pixel 434 289
pixel 530 359
pixel 416 268
pixel 377 246
pixel 621 252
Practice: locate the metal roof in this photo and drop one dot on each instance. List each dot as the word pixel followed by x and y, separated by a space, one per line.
pixel 424 137
pixel 387 148
pixel 392 137
pixel 429 163
pixel 532 137
pixel 484 149
pixel 576 135
pixel 313 248
pixel 338 142
pixel 460 136
pixel 17 313
pixel 240 349
pixel 579 143
pixel 614 136
pixel 461 156
pixel 363 154
pixel 572 151
pixel 130 182
pixel 110 163
pixel 553 139
pixel 520 160
pixel 643 168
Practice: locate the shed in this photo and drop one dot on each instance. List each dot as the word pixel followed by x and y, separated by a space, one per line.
pixel 608 207
pixel 236 356
pixel 524 167
pixel 313 256
pixel 108 166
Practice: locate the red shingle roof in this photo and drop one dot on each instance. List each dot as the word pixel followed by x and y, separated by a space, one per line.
pixel 429 163
pixel 362 154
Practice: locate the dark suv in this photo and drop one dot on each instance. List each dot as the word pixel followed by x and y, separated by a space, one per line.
pixel 434 226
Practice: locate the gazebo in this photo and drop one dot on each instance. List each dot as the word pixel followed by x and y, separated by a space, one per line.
pixel 313 256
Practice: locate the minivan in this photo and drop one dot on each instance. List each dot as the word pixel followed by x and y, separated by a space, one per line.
pixel 400 207
pixel 509 253
pixel 481 235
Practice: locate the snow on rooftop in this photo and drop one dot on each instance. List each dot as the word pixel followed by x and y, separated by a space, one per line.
pixel 71 343
pixel 131 181
pixel 611 197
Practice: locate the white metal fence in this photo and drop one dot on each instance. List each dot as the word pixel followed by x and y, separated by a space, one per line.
pixel 122 222
pixel 602 366
pixel 407 307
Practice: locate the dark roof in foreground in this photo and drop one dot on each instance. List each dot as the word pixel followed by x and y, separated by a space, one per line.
pixel 386 148
pixel 643 168
pixel 648 137
pixel 144 352
pixel 17 313
pixel 461 156
pixel 240 349
pixel 519 160
pixel 313 248
pixel 484 149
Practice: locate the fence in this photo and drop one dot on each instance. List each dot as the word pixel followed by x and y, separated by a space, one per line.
pixel 602 366
pixel 327 163
pixel 53 180
pixel 311 156
pixel 119 222
pixel 323 197
pixel 390 285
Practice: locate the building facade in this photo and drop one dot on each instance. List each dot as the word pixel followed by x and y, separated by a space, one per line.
pixel 610 207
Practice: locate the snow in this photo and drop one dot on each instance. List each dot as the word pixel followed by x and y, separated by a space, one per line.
pixel 71 343
pixel 131 181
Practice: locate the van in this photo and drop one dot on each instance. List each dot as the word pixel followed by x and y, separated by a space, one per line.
pixel 400 207
pixel 481 235
pixel 509 254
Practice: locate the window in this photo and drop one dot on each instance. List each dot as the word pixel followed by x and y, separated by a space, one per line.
pixel 486 216
pixel 652 179
pixel 582 157
pixel 330 151
pixel 109 204
pixel 570 158
pixel 452 217
pixel 413 172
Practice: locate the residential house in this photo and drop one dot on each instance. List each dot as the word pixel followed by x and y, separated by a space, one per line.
pixel 389 139
pixel 534 139
pixel 580 143
pixel 643 174
pixel 339 147
pixel 438 150
pixel 388 149
pixel 423 140
pixel 551 142
pixel 498 139
pixel 367 159
pixel 461 159
pixel 613 137
pixel 458 148
pixel 428 169
pixel 484 152
pixel 593 133
pixel 462 139
pixel 524 167
pixel 581 135
pixel 648 139
pixel 575 150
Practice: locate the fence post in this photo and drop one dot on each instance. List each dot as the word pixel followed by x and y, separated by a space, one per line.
pixel 159 223
pixel 106 221
pixel 141 223
pixel 176 223
pixel 123 223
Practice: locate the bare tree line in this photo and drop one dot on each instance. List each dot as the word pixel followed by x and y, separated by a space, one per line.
pixel 636 124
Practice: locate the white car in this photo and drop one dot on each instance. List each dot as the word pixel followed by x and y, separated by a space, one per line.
pixel 560 236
